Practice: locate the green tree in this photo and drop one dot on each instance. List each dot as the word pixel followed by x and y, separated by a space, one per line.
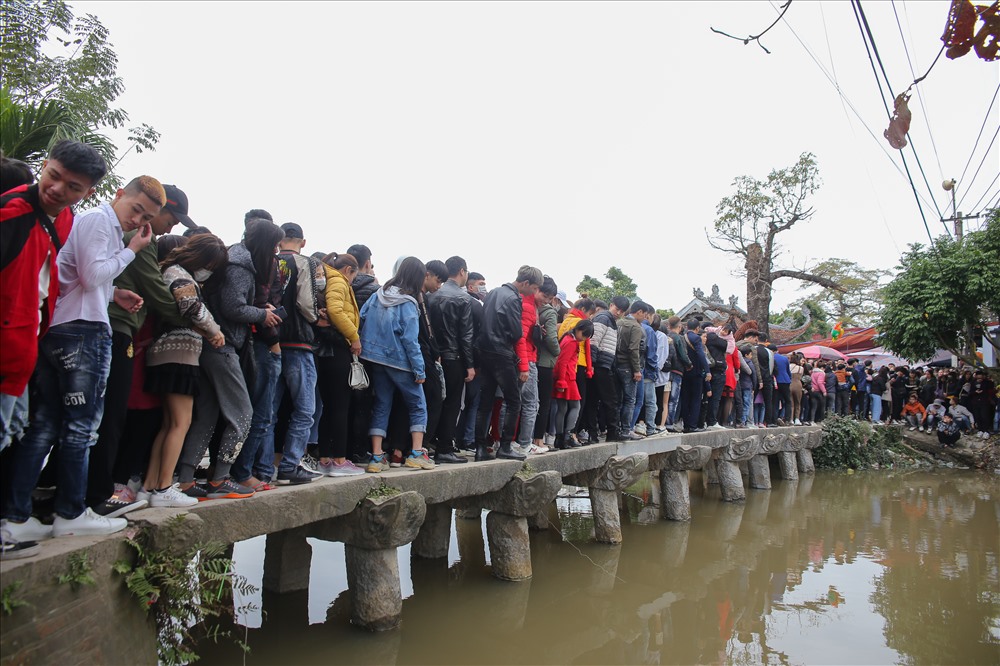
pixel 665 314
pixel 857 302
pixel 621 285
pixel 944 295
pixel 795 316
pixel 748 222
pixel 66 90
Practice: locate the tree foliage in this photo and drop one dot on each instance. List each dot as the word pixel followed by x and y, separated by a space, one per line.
pixel 620 285
pixel 60 80
pixel 857 302
pixel 795 316
pixel 944 296
pixel 748 222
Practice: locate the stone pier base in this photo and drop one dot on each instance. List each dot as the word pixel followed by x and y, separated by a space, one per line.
pixel 287 559
pixel 675 491
pixel 789 465
pixel 373 577
pixel 510 550
pixel 760 472
pixel 434 536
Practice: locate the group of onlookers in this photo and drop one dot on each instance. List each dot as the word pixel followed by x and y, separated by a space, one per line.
pixel 140 353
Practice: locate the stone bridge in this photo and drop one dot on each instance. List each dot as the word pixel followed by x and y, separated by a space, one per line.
pixel 373 515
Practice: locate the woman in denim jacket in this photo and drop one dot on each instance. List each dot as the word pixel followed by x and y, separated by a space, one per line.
pixel 390 323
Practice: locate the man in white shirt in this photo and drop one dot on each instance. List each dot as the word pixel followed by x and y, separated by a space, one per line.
pixel 75 357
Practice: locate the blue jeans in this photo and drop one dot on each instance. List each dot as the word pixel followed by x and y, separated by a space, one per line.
pixel 628 388
pixel 648 401
pixel 72 375
pixel 758 412
pixel 675 397
pixel 877 410
pixel 13 417
pixel 256 458
pixel 747 397
pixel 384 381
pixel 467 421
pixel 298 374
pixel 640 400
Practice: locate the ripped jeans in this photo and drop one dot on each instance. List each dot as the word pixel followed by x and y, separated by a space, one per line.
pixel 72 375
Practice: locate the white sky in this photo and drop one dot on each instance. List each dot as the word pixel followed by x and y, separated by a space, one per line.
pixel 570 136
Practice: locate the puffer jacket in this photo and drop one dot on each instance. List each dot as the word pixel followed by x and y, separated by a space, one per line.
pixel 341 312
pixel 525 347
pixel 230 294
pixel 450 308
pixel 605 341
pixel 501 322
pixel 390 327
pixel 585 356
pixel 364 286
pixel 564 386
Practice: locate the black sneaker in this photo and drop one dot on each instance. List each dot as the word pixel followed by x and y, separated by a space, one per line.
pixel 295 477
pixel 114 507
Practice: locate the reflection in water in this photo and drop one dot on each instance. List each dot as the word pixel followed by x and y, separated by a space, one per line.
pixel 838 569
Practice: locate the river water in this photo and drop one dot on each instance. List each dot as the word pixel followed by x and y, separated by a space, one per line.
pixel 875 568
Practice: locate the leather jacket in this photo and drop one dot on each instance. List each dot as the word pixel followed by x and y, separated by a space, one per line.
pixel 501 321
pixel 450 309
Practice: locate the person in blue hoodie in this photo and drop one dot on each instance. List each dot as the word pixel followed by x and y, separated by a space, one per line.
pixel 390 326
pixel 644 414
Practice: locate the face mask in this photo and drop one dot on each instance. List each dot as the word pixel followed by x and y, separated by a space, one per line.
pixel 202 275
pixel 481 289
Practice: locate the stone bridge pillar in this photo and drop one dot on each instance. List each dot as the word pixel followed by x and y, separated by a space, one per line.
pixel 287 559
pixel 760 470
pixel 675 490
pixel 371 534
pixel 730 479
pixel 434 538
pixel 606 485
pixel 507 521
pixel 805 454
pixel 787 457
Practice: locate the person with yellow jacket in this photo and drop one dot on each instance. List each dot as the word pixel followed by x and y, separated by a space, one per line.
pixel 582 309
pixel 338 344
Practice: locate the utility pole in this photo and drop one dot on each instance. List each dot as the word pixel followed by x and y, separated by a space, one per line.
pixel 957 217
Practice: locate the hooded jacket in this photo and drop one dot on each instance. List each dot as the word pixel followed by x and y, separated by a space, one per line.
pixel 230 296
pixel 341 312
pixel 548 351
pixel 390 327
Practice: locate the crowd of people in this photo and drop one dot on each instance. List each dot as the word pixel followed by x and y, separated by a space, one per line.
pixel 130 354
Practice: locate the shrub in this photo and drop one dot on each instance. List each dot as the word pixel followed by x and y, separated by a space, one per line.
pixel 852 444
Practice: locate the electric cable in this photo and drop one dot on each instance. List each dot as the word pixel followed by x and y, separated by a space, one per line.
pixel 855 5
pixel 985 192
pixel 920 97
pixel 979 168
pixel 844 98
pixel 980 135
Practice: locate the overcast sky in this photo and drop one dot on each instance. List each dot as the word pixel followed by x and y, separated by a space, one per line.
pixel 571 136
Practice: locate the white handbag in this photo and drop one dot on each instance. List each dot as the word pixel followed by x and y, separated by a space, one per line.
pixel 358 378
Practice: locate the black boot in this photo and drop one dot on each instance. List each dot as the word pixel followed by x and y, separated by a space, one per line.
pixel 483 453
pixel 508 453
pixel 560 442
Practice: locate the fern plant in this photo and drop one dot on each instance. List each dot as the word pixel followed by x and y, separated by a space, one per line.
pixel 185 590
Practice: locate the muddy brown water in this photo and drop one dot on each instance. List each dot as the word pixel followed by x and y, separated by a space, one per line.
pixel 875 568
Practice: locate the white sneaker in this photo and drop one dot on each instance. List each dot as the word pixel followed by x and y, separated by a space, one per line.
pixel 171 497
pixel 30 530
pixel 920 429
pixel 912 428
pixel 717 426
pixel 639 429
pixel 798 422
pixel 86 524
pixel 535 449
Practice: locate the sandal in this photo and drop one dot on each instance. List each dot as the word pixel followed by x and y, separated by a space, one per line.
pixel 259 486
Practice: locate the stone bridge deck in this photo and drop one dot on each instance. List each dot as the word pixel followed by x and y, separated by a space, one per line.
pixel 373 522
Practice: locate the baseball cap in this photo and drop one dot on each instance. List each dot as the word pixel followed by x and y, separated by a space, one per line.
pixel 561 295
pixel 292 230
pixel 177 203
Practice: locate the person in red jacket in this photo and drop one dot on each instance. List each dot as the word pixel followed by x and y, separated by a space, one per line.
pixel 35 221
pixel 564 386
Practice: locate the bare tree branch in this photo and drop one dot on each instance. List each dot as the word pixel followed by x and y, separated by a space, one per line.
pixel 756 38
pixel 808 277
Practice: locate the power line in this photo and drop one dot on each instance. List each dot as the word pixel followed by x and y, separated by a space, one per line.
pixel 980 135
pixel 985 192
pixel 981 162
pixel 858 15
pixel 920 97
pixel 843 105
pixel 844 98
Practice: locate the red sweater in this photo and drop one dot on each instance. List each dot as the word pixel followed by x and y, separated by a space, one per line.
pixel 24 247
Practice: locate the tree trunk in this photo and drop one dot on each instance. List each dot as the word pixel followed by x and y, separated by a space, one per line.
pixel 758 287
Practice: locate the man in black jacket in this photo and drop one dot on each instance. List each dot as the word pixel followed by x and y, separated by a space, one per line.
pixel 695 378
pixel 500 331
pixel 451 318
